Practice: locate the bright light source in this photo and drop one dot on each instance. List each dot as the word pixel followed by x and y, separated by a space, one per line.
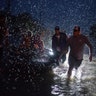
pixel 51 52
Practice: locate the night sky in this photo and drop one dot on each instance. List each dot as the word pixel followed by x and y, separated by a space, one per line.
pixel 65 13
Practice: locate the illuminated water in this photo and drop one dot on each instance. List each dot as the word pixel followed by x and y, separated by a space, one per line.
pixel 51 83
pixel 81 84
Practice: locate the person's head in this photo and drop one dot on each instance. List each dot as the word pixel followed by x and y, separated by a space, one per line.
pixel 76 31
pixel 57 30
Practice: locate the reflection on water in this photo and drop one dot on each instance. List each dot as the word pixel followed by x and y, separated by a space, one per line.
pixel 51 83
pixel 82 82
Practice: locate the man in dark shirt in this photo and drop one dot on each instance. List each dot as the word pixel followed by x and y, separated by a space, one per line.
pixel 59 41
pixel 76 44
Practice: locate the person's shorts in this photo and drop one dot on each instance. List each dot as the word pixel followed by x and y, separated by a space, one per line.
pixel 73 62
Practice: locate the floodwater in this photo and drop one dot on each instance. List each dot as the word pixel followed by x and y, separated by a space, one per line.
pixel 82 82
pixel 51 83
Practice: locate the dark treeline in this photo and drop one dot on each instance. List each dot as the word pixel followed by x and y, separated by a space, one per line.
pixel 20 63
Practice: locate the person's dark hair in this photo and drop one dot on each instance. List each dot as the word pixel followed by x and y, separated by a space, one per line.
pixel 57 28
pixel 76 28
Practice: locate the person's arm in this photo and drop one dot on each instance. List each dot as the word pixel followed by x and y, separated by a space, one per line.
pixel 65 49
pixel 53 44
pixel 90 48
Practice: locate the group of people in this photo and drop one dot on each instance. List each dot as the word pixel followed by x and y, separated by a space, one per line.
pixel 16 43
pixel 33 42
pixel 61 44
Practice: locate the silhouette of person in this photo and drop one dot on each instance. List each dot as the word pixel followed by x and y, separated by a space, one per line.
pixel 59 40
pixel 76 44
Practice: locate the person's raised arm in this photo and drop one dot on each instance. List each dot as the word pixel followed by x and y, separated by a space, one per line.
pixel 90 48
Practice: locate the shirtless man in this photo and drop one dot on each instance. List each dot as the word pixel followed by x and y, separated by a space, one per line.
pixel 76 44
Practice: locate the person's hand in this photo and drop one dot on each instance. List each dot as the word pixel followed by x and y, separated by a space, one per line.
pixel 58 49
pixel 90 58
pixel 36 46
